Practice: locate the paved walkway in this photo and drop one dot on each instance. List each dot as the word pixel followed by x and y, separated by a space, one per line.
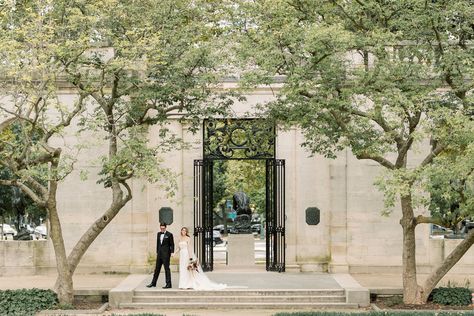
pixel 81 281
pixel 262 280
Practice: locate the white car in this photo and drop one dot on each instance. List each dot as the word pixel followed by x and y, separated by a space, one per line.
pixel 9 230
pixel 40 232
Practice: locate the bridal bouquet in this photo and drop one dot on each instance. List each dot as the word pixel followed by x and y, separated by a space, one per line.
pixel 193 264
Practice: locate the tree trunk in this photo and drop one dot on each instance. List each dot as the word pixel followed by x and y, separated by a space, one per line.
pixel 411 289
pixel 64 285
pixel 94 230
pixel 118 202
pixel 446 265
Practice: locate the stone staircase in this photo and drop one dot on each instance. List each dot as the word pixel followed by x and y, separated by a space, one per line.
pixel 240 299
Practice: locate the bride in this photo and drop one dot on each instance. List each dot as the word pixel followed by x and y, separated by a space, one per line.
pixel 191 275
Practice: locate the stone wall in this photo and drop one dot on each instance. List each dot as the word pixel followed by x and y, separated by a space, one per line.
pixel 352 235
pixel 25 257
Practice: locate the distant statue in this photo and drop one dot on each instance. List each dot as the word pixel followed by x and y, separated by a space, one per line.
pixel 241 204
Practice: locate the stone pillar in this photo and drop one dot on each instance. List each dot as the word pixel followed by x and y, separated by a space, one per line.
pixel 338 215
pixel 240 250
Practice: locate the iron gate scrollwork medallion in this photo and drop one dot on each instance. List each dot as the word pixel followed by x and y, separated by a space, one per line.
pixel 238 139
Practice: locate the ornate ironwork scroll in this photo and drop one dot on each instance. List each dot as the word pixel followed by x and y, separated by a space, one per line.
pixel 239 139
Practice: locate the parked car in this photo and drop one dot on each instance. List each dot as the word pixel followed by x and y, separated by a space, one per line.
pixel 220 228
pixel 29 228
pixel 440 230
pixel 24 234
pixel 40 232
pixel 9 230
pixel 216 238
pixel 256 228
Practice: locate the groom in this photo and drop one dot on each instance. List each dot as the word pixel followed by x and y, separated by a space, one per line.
pixel 164 250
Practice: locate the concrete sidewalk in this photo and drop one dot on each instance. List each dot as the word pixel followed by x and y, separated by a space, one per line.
pixel 81 281
pixel 317 280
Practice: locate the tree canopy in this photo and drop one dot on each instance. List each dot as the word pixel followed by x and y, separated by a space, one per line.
pixel 380 78
pixel 131 65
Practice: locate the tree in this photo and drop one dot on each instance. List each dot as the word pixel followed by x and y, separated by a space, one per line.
pixel 377 77
pixel 247 176
pixel 132 65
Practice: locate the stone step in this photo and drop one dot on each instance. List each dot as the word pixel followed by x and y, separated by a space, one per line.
pixel 241 292
pixel 233 305
pixel 241 299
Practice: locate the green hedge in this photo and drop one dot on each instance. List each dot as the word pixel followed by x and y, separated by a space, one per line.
pixel 457 296
pixel 379 313
pixel 26 301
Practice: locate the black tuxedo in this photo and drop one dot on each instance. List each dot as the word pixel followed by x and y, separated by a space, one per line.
pixel 164 249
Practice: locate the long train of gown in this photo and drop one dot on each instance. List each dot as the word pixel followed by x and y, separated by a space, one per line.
pixel 192 279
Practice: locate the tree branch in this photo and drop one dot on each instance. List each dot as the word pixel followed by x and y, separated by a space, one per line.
pixel 432 155
pixel 67 121
pixel 384 162
pixel 420 219
pixel 35 197
pixel 449 262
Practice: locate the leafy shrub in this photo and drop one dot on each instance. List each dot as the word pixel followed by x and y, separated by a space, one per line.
pixel 26 301
pixel 452 296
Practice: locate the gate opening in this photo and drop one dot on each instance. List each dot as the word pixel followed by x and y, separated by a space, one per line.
pixel 239 156
pixel 239 207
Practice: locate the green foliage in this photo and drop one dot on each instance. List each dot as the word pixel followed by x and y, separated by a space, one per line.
pixel 457 296
pixel 450 182
pixel 18 204
pixel 26 301
pixel 137 69
pixel 6 205
pixel 378 78
pixel 364 76
pixel 232 176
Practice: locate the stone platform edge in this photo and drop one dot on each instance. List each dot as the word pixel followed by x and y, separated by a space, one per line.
pixel 123 293
pixel 355 293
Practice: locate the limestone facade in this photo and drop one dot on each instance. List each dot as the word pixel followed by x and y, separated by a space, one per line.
pixel 352 235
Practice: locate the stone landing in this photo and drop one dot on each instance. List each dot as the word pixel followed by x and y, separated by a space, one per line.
pixel 247 290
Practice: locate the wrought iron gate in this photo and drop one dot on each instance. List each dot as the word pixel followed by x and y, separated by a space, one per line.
pixel 275 215
pixel 239 139
pixel 203 238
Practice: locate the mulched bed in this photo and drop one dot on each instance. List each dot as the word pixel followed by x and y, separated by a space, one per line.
pixel 395 302
pixel 87 305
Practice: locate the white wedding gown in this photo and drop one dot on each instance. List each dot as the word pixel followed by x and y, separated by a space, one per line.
pixel 192 279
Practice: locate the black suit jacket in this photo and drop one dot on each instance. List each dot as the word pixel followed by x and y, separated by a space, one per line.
pixel 166 248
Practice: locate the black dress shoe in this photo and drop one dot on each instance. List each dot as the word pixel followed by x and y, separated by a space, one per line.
pixel 151 285
pixel 167 287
